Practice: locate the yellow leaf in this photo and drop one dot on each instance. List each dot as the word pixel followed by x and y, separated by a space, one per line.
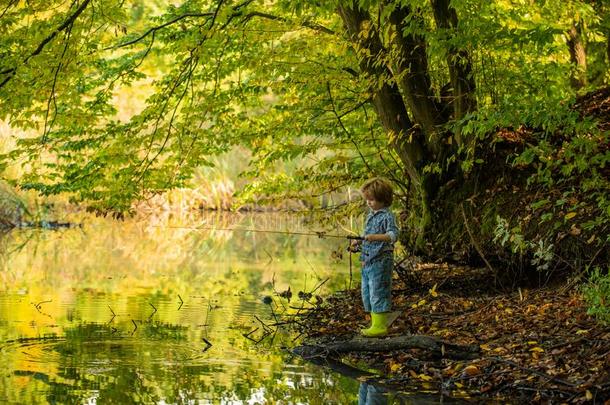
pixel 570 215
pixel 425 377
pixel 471 370
pixel 433 292
pixel 412 373
pixel 459 385
pixel 532 342
pixel 589 395
pixel 421 302
pixel 485 347
pixel 582 332
pixel 394 367
pixel 536 349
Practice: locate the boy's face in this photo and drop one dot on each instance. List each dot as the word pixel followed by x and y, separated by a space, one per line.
pixel 372 202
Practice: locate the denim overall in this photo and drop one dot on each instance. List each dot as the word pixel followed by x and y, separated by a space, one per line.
pixel 378 261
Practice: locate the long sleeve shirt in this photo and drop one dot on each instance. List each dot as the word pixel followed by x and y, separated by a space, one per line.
pixel 381 221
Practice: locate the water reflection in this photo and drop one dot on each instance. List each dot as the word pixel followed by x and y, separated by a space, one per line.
pixel 369 394
pixel 136 312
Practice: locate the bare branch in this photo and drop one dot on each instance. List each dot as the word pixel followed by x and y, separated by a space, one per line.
pixel 308 24
pixel 159 27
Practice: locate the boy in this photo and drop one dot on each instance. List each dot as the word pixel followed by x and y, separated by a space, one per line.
pixel 377 257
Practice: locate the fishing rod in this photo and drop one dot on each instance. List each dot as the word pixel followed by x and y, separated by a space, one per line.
pixel 320 234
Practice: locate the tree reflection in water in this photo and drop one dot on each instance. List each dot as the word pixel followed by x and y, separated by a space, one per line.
pixel 119 312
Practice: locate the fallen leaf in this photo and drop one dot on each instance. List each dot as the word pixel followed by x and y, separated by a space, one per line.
pixel 433 292
pixel 471 371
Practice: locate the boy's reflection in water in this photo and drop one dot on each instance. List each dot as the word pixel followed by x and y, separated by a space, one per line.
pixel 370 395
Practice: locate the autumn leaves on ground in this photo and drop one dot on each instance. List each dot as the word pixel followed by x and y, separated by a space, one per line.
pixel 537 345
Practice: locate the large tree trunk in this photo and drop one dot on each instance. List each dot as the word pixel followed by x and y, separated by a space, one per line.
pixel 411 74
pixel 387 100
pixel 408 140
pixel 401 85
pixel 578 55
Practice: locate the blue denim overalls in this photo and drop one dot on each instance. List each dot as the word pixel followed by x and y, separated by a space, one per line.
pixel 378 261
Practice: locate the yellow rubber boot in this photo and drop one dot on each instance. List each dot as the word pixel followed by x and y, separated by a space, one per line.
pixel 379 325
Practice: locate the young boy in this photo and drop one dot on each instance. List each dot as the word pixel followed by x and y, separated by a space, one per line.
pixel 377 257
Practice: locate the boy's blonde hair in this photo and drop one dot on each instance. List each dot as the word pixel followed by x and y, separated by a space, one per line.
pixel 380 189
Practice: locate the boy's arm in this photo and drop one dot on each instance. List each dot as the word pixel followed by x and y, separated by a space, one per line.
pixel 391 234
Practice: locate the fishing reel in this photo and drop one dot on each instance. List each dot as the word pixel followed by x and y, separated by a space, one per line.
pixel 354 248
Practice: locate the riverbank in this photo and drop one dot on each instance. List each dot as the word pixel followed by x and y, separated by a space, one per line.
pixel 537 344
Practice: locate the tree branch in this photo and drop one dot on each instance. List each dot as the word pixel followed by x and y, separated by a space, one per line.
pixel 159 27
pixel 67 23
pixel 306 23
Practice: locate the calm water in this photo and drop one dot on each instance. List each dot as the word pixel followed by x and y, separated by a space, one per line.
pixel 121 312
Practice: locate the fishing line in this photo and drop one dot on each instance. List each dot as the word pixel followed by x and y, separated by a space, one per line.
pixel 320 234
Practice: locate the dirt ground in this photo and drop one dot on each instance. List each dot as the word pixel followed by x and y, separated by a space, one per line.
pixel 537 345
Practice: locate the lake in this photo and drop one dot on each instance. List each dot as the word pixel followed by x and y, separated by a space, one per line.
pixel 163 309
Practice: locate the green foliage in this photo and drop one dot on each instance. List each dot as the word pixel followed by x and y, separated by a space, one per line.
pixel 281 79
pixel 597 294
pixel 572 171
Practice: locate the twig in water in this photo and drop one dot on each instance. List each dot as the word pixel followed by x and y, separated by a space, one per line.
pixel 272 311
pixel 247 335
pixel 135 326
pixel 154 311
pixel 207 343
pixel 181 302
pixel 42 302
pixel 113 314
pixel 207 314
pixel 265 327
pixel 270 257
pixel 319 285
pixel 312 269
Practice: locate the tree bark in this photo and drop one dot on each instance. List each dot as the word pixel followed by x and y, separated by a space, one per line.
pixel 578 55
pixel 463 98
pixel 411 74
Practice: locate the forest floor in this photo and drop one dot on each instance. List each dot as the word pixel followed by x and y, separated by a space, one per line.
pixel 537 345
